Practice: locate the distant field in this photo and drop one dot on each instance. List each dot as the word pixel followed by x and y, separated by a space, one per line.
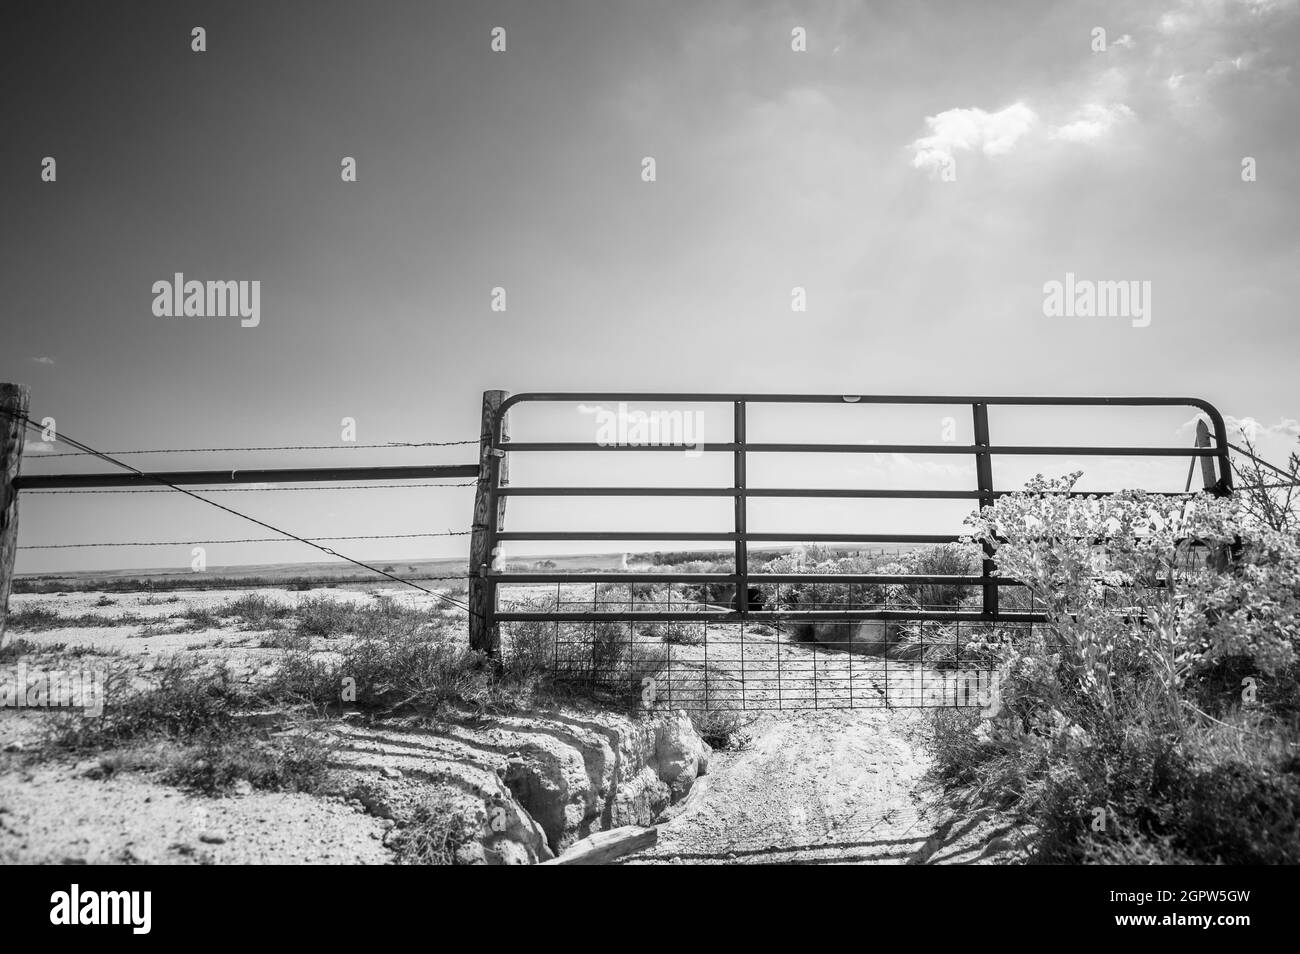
pixel 300 576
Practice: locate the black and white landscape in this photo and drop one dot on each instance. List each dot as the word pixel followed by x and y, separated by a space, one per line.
pixel 651 433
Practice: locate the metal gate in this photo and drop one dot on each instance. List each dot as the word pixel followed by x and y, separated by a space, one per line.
pixel 734 639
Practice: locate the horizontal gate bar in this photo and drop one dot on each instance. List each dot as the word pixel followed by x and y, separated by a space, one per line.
pixel 904 399
pixel 755 448
pixel 732 492
pixel 272 476
pixel 866 493
pixel 771 616
pixel 754 578
pixel 724 536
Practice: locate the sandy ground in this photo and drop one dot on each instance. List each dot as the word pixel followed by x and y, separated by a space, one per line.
pixel 159 610
pixel 837 786
pixel 54 815
pixel 823 787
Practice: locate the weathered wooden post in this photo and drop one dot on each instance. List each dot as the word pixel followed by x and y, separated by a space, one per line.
pixel 13 415
pixel 984 477
pixel 489 519
pixel 1208 478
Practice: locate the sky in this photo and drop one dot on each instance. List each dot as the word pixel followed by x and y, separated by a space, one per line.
pixel 920 171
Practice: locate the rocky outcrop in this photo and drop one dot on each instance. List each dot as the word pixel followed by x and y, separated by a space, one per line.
pixel 587 775
pixel 526 786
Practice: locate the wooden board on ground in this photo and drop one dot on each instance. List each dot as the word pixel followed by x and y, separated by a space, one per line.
pixel 605 846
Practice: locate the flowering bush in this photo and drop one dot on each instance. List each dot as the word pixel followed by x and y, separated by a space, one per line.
pixel 1136 701
pixel 1132 583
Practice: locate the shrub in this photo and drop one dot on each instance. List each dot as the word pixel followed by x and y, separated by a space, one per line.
pixel 943 560
pixel 186 725
pixel 214 763
pixel 1128 704
pixel 320 616
pixel 258 611
pixel 35 619
pixel 722 728
pixel 183 701
pixel 680 634
pixel 18 647
pixel 389 671
pixel 200 618
pixel 39 618
pixel 436 831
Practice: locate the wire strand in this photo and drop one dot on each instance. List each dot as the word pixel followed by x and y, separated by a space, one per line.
pixel 281 447
pixel 247 490
pixel 1262 462
pixel 188 543
pixel 108 458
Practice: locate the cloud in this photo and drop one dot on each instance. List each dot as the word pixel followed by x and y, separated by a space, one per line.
pixel 1286 428
pixel 1192 16
pixel 1254 429
pixel 998 133
pixel 1090 122
pixel 1195 52
pixel 953 130
pixel 42 359
pixel 37 447
pixel 1203 44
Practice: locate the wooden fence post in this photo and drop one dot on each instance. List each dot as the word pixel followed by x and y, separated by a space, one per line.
pixel 1208 478
pixel 984 477
pixel 13 411
pixel 489 518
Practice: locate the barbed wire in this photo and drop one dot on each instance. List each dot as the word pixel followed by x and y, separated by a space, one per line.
pixel 273 447
pixel 1263 463
pixel 189 543
pixel 248 490
pixel 86 449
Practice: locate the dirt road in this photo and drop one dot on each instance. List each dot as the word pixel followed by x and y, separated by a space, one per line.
pixel 823 787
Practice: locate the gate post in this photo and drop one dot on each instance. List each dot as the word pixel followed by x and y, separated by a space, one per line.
pixel 13 425
pixel 489 516
pixel 984 475
pixel 742 543
pixel 1208 478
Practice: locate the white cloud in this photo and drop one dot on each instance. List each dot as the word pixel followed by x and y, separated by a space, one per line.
pixel 1253 429
pixel 42 359
pixel 1190 48
pixel 1090 122
pixel 37 447
pixel 1204 43
pixel 954 130
pixel 1197 15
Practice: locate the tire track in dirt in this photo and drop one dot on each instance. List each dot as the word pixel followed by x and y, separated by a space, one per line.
pixel 826 786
